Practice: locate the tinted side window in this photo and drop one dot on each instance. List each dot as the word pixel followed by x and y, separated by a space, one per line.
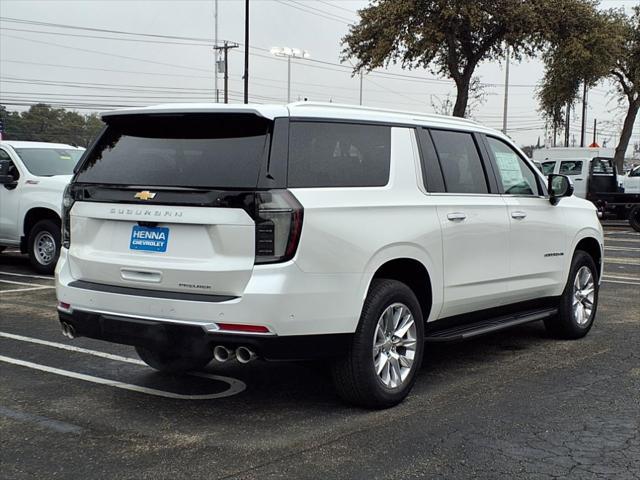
pixel 460 160
pixel 323 154
pixel 547 167
pixel 571 167
pixel 431 171
pixel 7 166
pixel 513 173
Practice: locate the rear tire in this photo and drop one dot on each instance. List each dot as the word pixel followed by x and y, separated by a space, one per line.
pixel 634 218
pixel 44 246
pixel 171 364
pixel 579 301
pixel 382 363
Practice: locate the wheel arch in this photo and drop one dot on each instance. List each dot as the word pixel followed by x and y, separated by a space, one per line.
pixel 33 216
pixel 412 273
pixel 591 246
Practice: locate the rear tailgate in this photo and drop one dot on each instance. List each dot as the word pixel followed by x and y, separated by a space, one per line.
pixel 167 202
pixel 169 248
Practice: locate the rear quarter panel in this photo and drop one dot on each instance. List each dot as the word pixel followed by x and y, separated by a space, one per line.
pixel 353 231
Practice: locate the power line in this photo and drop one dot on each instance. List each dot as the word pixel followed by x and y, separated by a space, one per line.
pixel 337 6
pixel 107 54
pixel 325 16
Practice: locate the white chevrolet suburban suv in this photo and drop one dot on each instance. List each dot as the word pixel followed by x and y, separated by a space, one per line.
pixel 33 176
pixel 313 231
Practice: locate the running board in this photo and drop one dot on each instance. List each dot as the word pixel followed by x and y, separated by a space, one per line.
pixel 482 327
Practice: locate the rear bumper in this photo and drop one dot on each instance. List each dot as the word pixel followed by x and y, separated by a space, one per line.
pixel 281 297
pixel 190 339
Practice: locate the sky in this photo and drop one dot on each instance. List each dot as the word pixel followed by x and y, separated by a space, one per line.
pixel 169 58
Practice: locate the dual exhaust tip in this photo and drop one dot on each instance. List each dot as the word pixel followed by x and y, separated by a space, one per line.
pixel 68 330
pixel 242 354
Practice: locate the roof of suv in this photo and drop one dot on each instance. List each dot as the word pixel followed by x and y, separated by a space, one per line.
pixel 310 110
pixel 23 144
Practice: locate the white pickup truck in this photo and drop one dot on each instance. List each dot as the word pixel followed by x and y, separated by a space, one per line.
pixel 33 176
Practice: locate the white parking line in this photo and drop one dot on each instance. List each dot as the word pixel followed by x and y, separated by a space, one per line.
pixel 13 274
pixel 24 289
pixel 620 281
pixel 30 286
pixel 235 386
pixel 622 249
pixel 621 277
pixel 13 282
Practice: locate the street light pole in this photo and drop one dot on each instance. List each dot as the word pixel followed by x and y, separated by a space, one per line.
pixel 289 53
pixel 246 51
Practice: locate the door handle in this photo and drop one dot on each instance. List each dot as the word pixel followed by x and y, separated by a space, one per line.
pixel 456 216
pixel 518 215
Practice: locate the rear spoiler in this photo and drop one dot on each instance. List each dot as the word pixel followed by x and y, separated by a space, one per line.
pixel 266 111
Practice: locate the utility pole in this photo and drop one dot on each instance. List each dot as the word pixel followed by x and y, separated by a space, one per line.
pixel 360 87
pixel 567 126
pixel 215 42
pixel 225 48
pixel 506 94
pixel 595 126
pixel 246 51
pixel 583 132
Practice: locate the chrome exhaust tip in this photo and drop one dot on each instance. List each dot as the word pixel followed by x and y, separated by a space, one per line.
pixel 245 355
pixel 222 354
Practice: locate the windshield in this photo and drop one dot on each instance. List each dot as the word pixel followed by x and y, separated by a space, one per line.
pixel 191 150
pixel 46 162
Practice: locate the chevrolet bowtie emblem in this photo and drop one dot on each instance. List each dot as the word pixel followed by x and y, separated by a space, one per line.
pixel 145 195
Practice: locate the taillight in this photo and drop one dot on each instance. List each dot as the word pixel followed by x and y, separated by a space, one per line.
pixel 278 226
pixel 67 203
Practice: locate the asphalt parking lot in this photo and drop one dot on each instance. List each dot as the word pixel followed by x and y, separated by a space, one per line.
pixel 516 404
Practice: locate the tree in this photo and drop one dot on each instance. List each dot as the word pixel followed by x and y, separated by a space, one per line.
pixel 626 71
pixel 598 45
pixel 451 37
pixel 42 123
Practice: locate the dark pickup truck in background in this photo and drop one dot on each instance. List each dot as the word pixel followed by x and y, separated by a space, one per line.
pixel 606 194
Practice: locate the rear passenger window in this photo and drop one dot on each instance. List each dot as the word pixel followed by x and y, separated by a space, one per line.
pixel 338 155
pixel 461 164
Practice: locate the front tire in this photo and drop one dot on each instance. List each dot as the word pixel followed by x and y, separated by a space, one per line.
pixel 44 246
pixel 169 363
pixel 386 351
pixel 579 301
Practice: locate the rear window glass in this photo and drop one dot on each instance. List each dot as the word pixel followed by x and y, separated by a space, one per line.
pixel 46 162
pixel 602 166
pixel 338 155
pixel 570 167
pixel 461 164
pixel 191 150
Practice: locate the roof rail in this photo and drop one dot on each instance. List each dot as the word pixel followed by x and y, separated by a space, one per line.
pixel 383 110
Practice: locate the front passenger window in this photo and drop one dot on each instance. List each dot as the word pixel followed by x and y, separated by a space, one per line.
pixel 516 176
